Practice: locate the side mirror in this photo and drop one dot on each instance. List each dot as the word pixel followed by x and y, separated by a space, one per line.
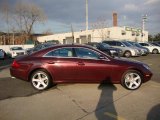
pixel 102 57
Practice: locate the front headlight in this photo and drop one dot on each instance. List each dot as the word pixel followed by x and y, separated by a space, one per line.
pixel 112 51
pixel 146 66
pixel 136 50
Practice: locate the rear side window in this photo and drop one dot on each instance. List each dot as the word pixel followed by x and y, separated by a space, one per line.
pixel 144 44
pixel 119 44
pixel 112 43
pixel 86 53
pixel 62 52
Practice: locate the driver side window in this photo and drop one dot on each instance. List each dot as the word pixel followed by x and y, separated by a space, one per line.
pixel 86 53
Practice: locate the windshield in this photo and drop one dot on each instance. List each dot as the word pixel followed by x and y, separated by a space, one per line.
pixel 127 44
pixel 47 45
pixel 17 48
pixel 105 45
pixel 138 45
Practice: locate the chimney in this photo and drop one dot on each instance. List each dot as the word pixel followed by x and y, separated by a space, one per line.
pixel 114 19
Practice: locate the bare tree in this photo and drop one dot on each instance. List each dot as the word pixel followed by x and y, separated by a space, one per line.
pixel 26 16
pixel 5 10
pixel 100 26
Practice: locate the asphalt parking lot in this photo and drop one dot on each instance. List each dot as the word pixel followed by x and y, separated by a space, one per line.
pixel 19 101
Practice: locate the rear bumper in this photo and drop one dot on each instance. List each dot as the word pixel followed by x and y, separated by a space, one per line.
pixel 18 74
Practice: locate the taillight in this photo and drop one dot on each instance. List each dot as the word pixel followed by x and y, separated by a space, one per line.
pixel 15 64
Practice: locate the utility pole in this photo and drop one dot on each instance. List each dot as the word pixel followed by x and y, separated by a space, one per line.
pixel 86 20
pixel 72 33
pixel 86 15
pixel 144 19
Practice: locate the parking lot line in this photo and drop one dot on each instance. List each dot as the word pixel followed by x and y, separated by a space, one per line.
pixel 114 116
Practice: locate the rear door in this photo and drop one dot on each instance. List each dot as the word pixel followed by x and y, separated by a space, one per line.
pixel 62 65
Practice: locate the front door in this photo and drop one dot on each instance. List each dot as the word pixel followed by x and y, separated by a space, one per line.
pixel 91 67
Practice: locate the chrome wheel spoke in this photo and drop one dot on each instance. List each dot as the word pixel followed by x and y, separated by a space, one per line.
pixel 137 78
pixel 39 76
pixel 136 83
pixel 44 84
pixel 38 85
pixel 130 85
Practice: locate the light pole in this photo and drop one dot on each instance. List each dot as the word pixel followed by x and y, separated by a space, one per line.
pixel 86 20
pixel 86 15
pixel 144 19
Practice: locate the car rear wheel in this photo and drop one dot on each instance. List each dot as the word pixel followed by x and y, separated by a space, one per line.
pixel 155 51
pixel 131 80
pixel 127 54
pixel 41 80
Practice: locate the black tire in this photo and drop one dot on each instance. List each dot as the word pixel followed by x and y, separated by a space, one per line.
pixel 127 54
pixel 128 80
pixel 41 80
pixel 155 51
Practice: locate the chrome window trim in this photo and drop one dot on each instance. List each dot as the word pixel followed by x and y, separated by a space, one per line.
pixel 75 57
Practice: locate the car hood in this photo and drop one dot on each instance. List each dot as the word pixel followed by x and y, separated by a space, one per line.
pixel 127 61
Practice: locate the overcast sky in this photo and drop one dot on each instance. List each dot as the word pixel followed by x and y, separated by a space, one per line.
pixel 62 13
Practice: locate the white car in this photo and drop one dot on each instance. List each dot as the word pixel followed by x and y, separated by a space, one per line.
pixel 16 51
pixel 152 48
pixel 2 54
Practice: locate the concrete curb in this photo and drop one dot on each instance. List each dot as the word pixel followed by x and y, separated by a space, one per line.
pixel 4 67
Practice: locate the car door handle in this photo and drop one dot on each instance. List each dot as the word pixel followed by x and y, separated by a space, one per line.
pixel 51 62
pixel 81 63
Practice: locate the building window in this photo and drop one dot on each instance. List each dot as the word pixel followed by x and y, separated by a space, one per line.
pixel 108 33
pixel 123 32
pixel 133 34
pixel 137 34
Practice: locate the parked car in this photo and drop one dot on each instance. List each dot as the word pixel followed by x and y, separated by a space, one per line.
pixel 39 47
pixel 106 49
pixel 152 48
pixel 144 51
pixel 78 64
pixel 16 51
pixel 128 49
pixel 2 54
pixel 155 44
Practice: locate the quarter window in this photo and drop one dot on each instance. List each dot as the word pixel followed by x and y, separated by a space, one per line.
pixel 86 53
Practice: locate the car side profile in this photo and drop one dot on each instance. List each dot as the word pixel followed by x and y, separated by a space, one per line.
pixel 16 51
pixel 128 49
pixel 78 64
pixel 39 47
pixel 107 49
pixel 144 51
pixel 2 54
pixel 152 48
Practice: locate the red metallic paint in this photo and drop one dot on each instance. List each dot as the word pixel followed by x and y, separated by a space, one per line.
pixel 76 70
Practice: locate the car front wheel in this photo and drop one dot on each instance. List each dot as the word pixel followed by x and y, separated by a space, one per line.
pixel 131 80
pixel 127 54
pixel 155 51
pixel 40 80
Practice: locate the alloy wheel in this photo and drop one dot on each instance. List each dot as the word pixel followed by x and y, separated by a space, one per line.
pixel 132 80
pixel 155 51
pixel 40 80
pixel 127 54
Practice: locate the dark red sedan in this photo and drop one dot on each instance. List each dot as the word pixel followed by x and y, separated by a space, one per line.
pixel 78 64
